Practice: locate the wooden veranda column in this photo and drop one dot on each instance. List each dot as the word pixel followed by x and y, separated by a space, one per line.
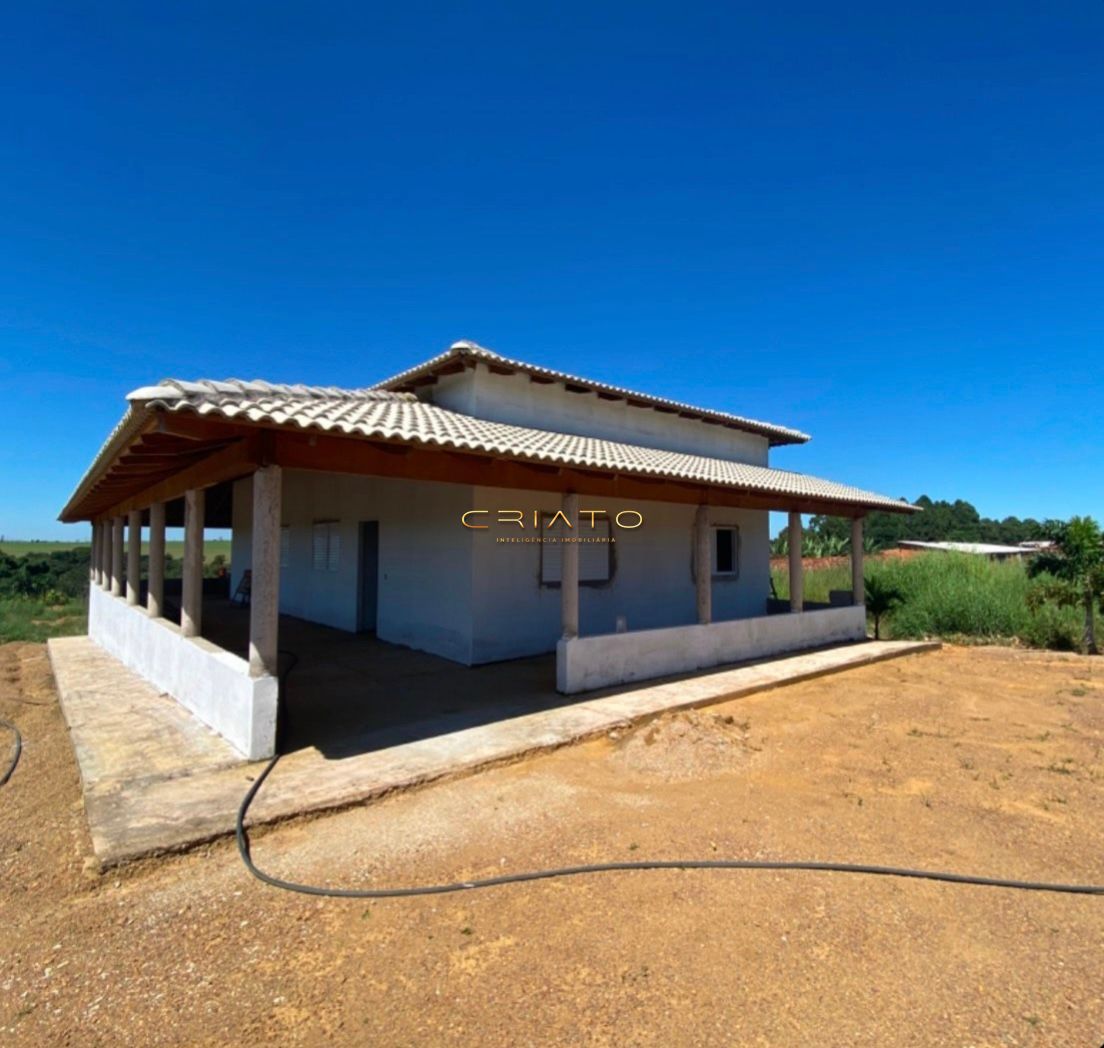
pixel 797 577
pixel 858 586
pixel 134 556
pixel 156 586
pixel 117 557
pixel 703 565
pixel 191 604
pixel 94 556
pixel 105 554
pixel 103 557
pixel 264 597
pixel 569 572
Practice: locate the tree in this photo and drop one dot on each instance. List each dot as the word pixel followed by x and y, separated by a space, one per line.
pixel 1076 572
pixel 881 598
pixel 940 521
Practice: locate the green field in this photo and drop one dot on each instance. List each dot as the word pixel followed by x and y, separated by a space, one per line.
pixel 174 547
pixel 19 547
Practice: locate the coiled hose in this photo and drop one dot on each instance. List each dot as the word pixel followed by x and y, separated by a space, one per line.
pixel 613 867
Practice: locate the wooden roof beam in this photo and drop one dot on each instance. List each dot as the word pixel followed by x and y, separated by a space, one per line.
pixel 235 460
pixel 335 454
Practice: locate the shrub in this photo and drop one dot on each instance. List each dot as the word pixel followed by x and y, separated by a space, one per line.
pixel 64 572
pixel 1053 627
pixel 955 595
pixel 881 598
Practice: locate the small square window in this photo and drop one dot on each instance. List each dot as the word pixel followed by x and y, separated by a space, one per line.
pixel 595 549
pixel 726 551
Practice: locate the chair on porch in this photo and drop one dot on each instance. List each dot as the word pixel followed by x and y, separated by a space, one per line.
pixel 245 587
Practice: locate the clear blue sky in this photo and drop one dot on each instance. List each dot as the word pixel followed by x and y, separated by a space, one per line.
pixel 883 225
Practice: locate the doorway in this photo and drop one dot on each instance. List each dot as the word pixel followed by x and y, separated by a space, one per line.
pixel 368 576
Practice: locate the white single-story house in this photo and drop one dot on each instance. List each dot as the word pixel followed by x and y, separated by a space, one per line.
pixel 475 507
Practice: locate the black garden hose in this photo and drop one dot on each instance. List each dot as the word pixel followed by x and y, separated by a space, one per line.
pixel 618 867
pixel 17 749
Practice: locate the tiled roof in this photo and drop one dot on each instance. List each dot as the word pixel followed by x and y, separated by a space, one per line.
pixel 384 415
pixel 470 351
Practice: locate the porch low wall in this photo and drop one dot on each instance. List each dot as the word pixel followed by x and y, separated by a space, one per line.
pixel 584 663
pixel 212 683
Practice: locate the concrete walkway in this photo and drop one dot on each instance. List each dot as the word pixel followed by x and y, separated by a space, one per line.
pixel 155 779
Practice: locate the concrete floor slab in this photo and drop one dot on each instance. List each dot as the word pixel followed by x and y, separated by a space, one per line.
pixel 155 779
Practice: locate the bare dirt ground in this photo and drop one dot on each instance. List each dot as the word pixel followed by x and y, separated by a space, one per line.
pixel 981 760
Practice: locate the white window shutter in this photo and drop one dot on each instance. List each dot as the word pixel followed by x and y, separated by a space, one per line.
pixel 319 546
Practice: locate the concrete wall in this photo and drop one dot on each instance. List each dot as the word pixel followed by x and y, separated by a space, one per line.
pixel 652 584
pixel 514 399
pixel 213 684
pixel 425 564
pixel 584 663
pixel 459 593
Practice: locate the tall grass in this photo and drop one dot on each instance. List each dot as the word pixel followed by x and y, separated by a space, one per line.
pixel 36 619
pixel 817 582
pixel 955 596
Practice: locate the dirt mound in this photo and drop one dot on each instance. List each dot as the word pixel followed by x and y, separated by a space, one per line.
pixel 686 745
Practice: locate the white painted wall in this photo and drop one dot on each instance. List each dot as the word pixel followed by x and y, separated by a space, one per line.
pixel 585 663
pixel 458 593
pixel 425 563
pixel 213 684
pixel 652 584
pixel 515 399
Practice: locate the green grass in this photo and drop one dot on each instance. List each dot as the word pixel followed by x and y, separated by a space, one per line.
pixel 211 548
pixel 955 596
pixel 174 547
pixel 817 583
pixel 31 619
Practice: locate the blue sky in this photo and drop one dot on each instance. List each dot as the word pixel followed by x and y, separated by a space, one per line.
pixel 882 225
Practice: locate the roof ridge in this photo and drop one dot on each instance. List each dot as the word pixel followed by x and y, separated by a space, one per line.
pixel 175 389
pixel 473 350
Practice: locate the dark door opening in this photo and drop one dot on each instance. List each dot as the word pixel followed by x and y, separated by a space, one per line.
pixel 368 576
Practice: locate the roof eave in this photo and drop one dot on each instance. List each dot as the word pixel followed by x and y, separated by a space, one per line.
pixel 127 428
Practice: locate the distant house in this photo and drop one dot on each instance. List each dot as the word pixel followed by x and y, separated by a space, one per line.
pixel 473 506
pixel 980 549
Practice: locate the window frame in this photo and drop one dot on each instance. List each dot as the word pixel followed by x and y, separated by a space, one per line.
pixel 611 549
pixel 725 576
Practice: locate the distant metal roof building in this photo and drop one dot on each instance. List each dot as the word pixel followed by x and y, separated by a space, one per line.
pixel 980 549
